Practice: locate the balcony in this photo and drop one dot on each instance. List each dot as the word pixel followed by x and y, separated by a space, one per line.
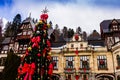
pixel 69 70
pixel 84 70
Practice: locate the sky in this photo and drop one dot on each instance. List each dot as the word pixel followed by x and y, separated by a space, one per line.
pixel 88 14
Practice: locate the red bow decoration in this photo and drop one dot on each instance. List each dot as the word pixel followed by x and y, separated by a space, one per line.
pixel 29 70
pixel 44 16
pixel 36 39
pixel 35 45
pixel 19 70
pixel 50 71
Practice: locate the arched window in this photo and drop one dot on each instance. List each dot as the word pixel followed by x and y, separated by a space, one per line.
pixel 118 60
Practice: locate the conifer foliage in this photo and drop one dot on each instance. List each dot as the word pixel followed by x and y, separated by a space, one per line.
pixel 36 63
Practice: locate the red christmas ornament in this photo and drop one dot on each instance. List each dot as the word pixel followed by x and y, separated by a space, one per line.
pixel 76 37
pixel 38 54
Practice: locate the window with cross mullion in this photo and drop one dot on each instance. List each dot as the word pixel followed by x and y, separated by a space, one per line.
pixel 84 62
pixel 102 62
pixel 70 62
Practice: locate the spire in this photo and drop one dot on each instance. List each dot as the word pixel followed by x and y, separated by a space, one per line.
pixel 45 10
pixel 30 15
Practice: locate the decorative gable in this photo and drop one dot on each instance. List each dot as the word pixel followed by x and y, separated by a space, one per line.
pixel 113 25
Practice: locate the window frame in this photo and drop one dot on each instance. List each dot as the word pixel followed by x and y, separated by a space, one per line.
pixel 55 61
pixel 86 59
pixel 71 59
pixel 102 66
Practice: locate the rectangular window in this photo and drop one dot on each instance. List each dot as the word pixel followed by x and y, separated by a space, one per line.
pixel 84 62
pixel 29 32
pixel 2 61
pixel 72 45
pixel 85 77
pixel 117 39
pixel 115 27
pixel 102 62
pixel 55 62
pixel 5 47
pixel 69 62
pixel 118 60
pixel 24 33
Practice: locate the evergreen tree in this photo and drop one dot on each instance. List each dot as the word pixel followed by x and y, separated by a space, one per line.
pixel 37 64
pixel 70 33
pixel 84 36
pixel 65 33
pixel 78 30
pixel 56 32
pixel 8 30
pixel 1 25
pixel 11 64
pixel 16 23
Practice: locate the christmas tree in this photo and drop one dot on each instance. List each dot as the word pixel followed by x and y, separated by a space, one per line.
pixel 37 64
